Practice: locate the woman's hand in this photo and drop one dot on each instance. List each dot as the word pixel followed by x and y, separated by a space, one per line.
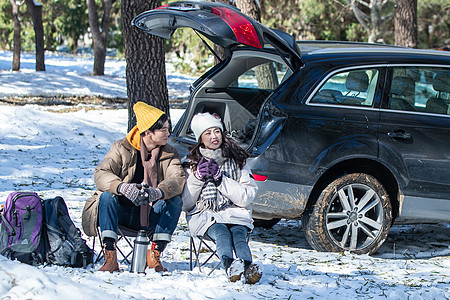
pixel 214 170
pixel 208 170
pixel 202 169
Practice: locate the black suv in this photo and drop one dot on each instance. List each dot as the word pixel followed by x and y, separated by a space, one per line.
pixel 350 137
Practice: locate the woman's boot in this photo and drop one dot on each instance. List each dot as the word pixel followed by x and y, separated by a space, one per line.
pixel 235 270
pixel 252 272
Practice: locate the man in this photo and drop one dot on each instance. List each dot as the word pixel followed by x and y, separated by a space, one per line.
pixel 139 183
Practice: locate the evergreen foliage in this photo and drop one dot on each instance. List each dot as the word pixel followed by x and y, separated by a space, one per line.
pixel 66 24
pixel 434 23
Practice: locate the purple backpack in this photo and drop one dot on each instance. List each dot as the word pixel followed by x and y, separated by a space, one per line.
pixel 21 228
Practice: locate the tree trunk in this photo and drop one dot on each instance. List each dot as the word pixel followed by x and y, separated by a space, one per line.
pixel 17 41
pixel 99 35
pixel 370 22
pixel 74 45
pixel 265 74
pixel 145 71
pixel 250 8
pixel 375 35
pixel 405 23
pixel 220 52
pixel 35 10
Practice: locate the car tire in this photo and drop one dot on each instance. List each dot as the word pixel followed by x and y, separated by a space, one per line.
pixel 266 224
pixel 353 213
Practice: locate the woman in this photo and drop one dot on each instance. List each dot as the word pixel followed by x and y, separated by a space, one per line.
pixel 218 194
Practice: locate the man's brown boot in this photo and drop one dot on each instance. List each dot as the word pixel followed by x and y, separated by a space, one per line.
pixel 154 261
pixel 111 263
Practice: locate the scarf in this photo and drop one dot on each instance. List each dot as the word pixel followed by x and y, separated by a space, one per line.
pixel 210 198
pixel 150 177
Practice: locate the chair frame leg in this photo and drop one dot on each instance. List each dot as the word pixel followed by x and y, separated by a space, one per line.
pixel 196 250
pixel 121 235
pixel 101 254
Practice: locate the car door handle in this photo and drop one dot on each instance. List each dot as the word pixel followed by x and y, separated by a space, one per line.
pixel 399 135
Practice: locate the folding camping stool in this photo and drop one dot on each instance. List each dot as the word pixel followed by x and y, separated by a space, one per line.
pixel 196 250
pixel 124 234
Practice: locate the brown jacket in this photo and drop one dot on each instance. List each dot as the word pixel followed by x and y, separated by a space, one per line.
pixel 119 165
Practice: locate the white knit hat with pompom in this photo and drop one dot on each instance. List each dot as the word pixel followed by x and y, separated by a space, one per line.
pixel 203 121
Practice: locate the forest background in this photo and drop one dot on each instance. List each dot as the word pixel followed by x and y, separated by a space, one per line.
pixel 66 26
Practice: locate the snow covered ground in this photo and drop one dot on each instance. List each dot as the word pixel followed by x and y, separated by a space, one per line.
pixel 71 75
pixel 54 152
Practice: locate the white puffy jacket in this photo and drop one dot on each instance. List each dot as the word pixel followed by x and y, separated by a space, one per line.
pixel 240 193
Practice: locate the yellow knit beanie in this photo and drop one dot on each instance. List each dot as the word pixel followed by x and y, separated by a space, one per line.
pixel 146 115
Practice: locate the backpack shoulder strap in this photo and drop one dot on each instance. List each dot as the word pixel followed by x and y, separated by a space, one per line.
pixel 8 226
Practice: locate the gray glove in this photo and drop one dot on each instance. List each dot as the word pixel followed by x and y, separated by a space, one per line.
pixel 132 192
pixel 152 194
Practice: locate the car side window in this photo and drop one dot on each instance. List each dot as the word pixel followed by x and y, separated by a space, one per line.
pixel 349 88
pixel 420 89
pixel 267 76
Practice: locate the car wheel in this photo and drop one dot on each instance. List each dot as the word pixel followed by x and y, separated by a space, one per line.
pixel 352 213
pixel 267 224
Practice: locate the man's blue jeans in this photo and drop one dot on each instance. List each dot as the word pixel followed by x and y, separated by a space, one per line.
pixel 163 216
pixel 228 238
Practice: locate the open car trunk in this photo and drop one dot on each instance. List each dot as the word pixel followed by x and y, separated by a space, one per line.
pixel 234 91
pixel 223 24
pixel 259 60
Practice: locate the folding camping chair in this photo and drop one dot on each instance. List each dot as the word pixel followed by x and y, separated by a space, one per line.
pixel 124 234
pixel 195 249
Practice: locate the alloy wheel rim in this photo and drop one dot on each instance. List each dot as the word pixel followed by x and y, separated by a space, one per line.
pixel 354 218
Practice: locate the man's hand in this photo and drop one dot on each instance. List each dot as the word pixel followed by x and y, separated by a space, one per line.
pixel 132 192
pixel 150 193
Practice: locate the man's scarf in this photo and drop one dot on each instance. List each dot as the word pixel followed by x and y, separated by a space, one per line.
pixel 150 177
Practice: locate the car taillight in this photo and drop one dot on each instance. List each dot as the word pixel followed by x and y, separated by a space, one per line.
pixel 163 6
pixel 259 177
pixel 243 30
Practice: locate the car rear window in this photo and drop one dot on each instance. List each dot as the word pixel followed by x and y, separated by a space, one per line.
pixel 266 76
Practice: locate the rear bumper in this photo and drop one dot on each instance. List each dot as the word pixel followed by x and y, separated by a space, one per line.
pixel 277 199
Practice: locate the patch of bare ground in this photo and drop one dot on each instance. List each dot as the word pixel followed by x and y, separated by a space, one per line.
pixel 65 103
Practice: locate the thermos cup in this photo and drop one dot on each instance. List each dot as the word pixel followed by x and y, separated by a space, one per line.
pixel 139 260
